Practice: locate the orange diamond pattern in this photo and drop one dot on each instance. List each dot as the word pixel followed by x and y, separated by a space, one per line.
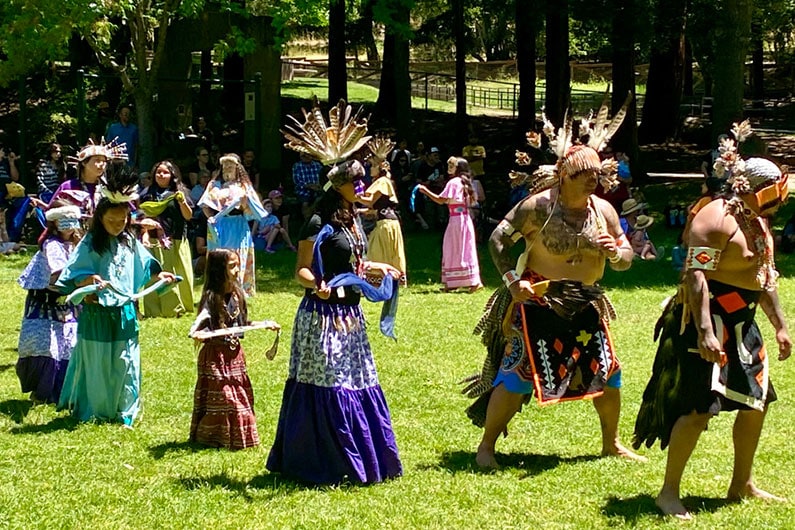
pixel 575 354
pixel 703 257
pixel 731 302
pixel 562 371
pixel 594 366
pixel 558 346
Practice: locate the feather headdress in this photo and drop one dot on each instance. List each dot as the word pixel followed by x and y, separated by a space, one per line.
pixel 330 142
pixel 380 147
pixel 112 150
pixel 572 158
pixel 119 184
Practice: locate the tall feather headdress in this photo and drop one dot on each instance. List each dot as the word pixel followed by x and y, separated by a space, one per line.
pixel 119 184
pixel 331 141
pixel 113 150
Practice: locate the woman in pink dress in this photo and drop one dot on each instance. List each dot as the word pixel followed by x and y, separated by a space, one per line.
pixel 459 253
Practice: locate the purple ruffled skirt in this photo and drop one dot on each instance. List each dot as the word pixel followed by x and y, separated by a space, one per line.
pixel 334 424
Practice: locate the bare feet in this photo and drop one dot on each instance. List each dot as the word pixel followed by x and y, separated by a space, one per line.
pixel 622 452
pixel 670 504
pixel 485 459
pixel 476 288
pixel 749 491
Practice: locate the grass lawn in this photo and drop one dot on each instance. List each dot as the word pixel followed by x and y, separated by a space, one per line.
pixel 56 473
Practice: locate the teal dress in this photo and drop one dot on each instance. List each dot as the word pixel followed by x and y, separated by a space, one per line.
pixel 103 380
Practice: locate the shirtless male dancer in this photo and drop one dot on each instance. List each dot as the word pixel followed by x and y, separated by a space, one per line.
pixel 569 233
pixel 710 356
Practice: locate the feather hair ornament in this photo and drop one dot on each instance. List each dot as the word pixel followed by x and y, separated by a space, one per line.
pixel 380 146
pixel 119 184
pixel 331 141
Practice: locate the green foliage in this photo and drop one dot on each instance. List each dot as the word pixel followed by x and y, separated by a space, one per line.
pixel 235 42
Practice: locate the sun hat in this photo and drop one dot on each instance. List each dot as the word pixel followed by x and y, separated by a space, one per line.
pixel 643 221
pixel 631 205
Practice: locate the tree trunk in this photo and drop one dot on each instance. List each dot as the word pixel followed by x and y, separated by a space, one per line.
pixel 337 67
pixel 687 83
pixel 147 133
pixel 558 71
pixel 267 140
pixel 733 31
pixel 666 72
pixel 174 94
pixel 394 94
pixel 526 32
pixel 233 91
pixel 758 75
pixel 460 74
pixel 366 28
pixel 205 87
pixel 623 41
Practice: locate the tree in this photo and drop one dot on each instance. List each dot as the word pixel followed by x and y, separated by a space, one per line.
pixel 394 95
pixel 526 32
pixel 623 41
pixel 460 72
pixel 558 74
pixel 337 61
pixel 666 73
pixel 733 32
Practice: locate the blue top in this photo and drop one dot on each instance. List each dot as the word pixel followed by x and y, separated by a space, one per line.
pixel 128 265
pixel 126 134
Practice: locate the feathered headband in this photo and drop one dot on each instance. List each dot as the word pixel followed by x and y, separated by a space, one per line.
pixel 119 184
pixel 330 142
pixel 112 150
pixel 571 158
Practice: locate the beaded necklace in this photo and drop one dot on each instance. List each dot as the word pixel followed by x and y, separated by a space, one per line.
pixel 758 234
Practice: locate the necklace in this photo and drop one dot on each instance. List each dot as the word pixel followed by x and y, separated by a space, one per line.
pixel 570 231
pixel 759 236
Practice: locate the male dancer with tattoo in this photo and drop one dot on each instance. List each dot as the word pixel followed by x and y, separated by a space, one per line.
pixel 561 353
pixel 711 356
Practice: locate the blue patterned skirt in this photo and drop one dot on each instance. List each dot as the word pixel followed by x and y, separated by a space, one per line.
pixel 46 338
pixel 334 424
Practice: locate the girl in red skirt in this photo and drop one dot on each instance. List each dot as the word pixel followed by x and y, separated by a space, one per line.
pixel 223 402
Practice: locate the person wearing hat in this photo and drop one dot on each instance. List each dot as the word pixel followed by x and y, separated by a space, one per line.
pixel 640 241
pixel 91 162
pixel 548 326
pixel 710 356
pixel 49 326
pixel 334 424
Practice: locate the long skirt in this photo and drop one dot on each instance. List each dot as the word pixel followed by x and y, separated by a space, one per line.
pixel 460 266
pixel 334 424
pixel 103 380
pixel 223 402
pixel 386 244
pixel 46 339
pixel 232 232
pixel 178 299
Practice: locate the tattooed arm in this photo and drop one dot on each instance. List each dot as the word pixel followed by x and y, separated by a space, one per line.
pixel 613 242
pixel 517 225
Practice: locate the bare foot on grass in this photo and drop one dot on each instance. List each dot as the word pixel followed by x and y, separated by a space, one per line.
pixel 485 459
pixel 671 505
pixel 749 491
pixel 622 452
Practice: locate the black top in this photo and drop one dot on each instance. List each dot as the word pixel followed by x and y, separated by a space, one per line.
pixel 337 259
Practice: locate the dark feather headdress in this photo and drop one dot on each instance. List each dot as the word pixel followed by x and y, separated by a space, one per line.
pixel 119 184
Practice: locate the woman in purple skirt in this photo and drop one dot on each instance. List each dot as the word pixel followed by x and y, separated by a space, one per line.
pixel 334 425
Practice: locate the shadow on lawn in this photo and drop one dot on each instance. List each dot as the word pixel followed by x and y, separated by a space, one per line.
pixel 631 509
pixel 16 409
pixel 65 423
pixel 278 485
pixel 160 451
pixel 4 367
pixel 532 464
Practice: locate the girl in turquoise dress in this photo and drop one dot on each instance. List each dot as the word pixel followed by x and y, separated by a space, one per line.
pixel 103 379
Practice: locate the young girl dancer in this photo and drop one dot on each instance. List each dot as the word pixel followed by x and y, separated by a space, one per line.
pixel 49 327
pixel 223 402
pixel 103 380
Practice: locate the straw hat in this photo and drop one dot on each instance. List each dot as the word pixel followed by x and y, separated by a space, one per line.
pixel 631 205
pixel 643 221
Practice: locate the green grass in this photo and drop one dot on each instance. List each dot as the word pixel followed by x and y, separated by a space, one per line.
pixel 55 473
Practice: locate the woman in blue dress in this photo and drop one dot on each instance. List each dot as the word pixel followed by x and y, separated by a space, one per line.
pixel 103 380
pixel 229 204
